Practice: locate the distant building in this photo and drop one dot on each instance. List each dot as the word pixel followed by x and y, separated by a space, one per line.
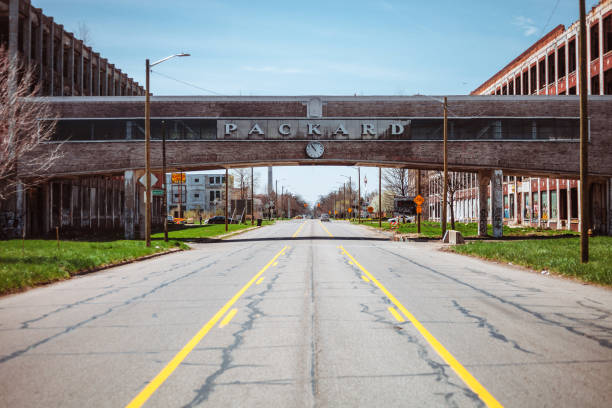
pixel 200 192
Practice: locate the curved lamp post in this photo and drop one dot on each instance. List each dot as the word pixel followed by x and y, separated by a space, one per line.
pixel 148 146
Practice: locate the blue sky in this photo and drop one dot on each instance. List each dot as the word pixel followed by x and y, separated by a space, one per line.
pixel 377 47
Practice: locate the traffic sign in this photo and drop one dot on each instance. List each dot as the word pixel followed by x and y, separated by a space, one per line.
pixel 143 180
pixel 350 210
pixel 418 200
pixel 370 209
pixel 178 178
pixel 157 192
pixel 419 209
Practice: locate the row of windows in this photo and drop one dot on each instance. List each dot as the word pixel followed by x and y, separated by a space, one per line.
pixel 496 129
pixel 419 129
pixel 535 78
pixel 134 129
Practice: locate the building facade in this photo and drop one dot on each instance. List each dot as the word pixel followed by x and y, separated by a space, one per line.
pixel 548 67
pixel 198 192
pixel 63 64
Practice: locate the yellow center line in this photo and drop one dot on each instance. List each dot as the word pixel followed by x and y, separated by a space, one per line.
pixel 260 280
pixel 395 314
pixel 365 278
pixel 296 233
pixel 275 263
pixel 228 317
pixel 160 378
pixel 464 374
pixel 326 230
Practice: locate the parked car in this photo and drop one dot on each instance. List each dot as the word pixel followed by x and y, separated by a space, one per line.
pixel 217 219
pixel 325 217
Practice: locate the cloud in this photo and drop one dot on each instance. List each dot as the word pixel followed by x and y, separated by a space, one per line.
pixel 274 70
pixel 526 24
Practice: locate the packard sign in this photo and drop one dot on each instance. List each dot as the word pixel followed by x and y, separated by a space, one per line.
pixel 305 129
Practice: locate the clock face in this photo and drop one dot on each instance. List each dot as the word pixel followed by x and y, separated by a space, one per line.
pixel 314 150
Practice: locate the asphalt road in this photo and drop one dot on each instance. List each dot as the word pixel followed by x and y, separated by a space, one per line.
pixel 305 314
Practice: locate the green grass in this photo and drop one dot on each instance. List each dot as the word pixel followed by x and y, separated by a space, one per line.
pixel 42 262
pixel 204 231
pixel 560 256
pixel 431 229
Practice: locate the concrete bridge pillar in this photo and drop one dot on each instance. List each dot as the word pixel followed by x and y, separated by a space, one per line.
pixel 497 203
pixel 484 177
pixel 129 203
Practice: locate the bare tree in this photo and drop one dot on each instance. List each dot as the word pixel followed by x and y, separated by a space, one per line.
pixel 83 33
pixel 21 130
pixel 401 182
pixel 455 183
pixel 242 181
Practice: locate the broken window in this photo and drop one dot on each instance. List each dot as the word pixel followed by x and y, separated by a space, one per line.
pixel 561 62
pixel 594 32
pixel 595 85
pixel 542 73
pixel 607 34
pixel 571 58
pixel 551 69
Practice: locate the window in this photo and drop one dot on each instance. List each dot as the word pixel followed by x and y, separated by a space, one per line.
pixel 571 58
pixel 212 195
pixel 607 34
pixel 218 194
pixel 504 90
pixel 553 203
pixel 176 196
pixel 525 83
pixel 551 69
pixel 196 195
pixel 217 180
pixel 594 42
pixel 542 73
pixel 595 85
pixel 511 87
pixel 608 82
pixel 223 180
pixel 561 62
pixel 572 90
pixel 196 180
pixel 533 86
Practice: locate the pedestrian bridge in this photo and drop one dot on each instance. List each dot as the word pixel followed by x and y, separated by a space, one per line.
pixel 101 139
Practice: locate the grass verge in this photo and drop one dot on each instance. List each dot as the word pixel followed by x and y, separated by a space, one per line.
pixel 561 256
pixel 204 231
pixel 40 261
pixel 431 229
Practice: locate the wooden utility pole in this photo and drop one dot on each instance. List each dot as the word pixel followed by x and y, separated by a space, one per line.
pixel 359 193
pixel 227 198
pixel 252 198
pixel 147 159
pixel 419 193
pixel 445 188
pixel 584 142
pixel 165 203
pixel 379 197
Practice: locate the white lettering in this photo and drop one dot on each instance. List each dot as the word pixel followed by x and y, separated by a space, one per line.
pixel 397 129
pixel 313 129
pixel 284 129
pixel 340 129
pixel 230 127
pixel 256 129
pixel 367 129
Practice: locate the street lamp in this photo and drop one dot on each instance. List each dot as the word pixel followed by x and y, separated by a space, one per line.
pixel 350 194
pixel 148 146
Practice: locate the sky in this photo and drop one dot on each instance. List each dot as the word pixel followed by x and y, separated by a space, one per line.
pixel 332 47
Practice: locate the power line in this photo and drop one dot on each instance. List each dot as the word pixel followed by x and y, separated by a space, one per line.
pixel 550 17
pixel 185 82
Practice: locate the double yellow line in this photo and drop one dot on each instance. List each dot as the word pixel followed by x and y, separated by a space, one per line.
pixel 464 374
pixel 160 378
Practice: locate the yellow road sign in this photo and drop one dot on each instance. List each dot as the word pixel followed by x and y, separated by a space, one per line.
pixel 418 200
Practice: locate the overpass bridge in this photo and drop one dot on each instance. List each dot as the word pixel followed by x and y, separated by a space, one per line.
pixel 102 139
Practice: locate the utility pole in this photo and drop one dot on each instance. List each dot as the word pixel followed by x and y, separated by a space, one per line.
pixel 252 198
pixel 584 142
pixel 379 197
pixel 163 123
pixel 226 197
pixel 276 198
pixel 418 194
pixel 359 193
pixel 350 197
pixel 147 158
pixel 445 188
pixel 344 199
pixel 181 194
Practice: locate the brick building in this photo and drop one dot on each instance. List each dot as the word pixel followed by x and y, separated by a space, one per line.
pixel 63 64
pixel 548 67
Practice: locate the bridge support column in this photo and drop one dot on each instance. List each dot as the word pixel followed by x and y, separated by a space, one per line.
pixel 497 203
pixel 609 206
pixel 484 177
pixel 129 203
